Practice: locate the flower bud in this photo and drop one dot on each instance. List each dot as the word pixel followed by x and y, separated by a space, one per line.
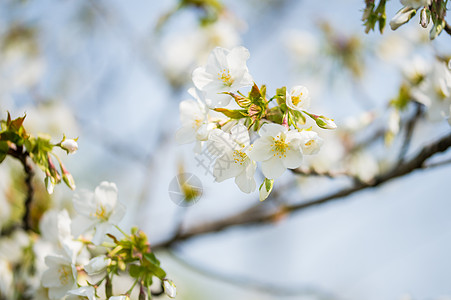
pixel 97 265
pixel 69 180
pixel 424 18
pixel 325 123
pixel 403 16
pixel 169 288
pixel 49 184
pixel 266 188
pixel 70 145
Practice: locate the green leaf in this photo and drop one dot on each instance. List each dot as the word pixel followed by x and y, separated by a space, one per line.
pixel 135 271
pixel 233 114
pixel 274 115
pixel 154 266
pixel 3 150
pixel 281 95
pixel 297 117
pixel 254 94
pixel 263 91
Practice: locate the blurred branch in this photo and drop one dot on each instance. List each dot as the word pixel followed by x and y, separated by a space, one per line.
pixel 410 126
pixel 22 156
pixel 259 214
pixel 437 164
pixel 248 283
pixel 313 172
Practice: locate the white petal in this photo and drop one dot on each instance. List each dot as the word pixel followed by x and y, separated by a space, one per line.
pixel 273 168
pixel 201 78
pixel 190 110
pixel 87 291
pixel 106 195
pixel 237 58
pixel 57 293
pixel 221 142
pixel 293 158
pixel 50 278
pixel 185 135
pixel 271 130
pixel 100 234
pixel 240 134
pixel 226 167
pixel 245 182
pixel 117 214
pixel 84 203
pixel 261 149
pixel 97 265
pixel 81 224
pixel 217 60
pixel 216 99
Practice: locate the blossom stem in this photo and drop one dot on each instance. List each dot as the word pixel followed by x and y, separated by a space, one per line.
pixel 123 232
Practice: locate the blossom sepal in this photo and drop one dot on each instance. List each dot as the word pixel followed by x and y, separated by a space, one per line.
pixel 266 188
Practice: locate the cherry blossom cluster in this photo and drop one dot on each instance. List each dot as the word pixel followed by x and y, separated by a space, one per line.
pixel 74 253
pixel 78 257
pixel 249 129
pixel 17 143
pixel 431 12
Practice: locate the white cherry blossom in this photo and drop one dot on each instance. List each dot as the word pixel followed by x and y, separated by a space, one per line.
pixel 278 149
pixel 233 160
pixel 98 211
pixel 298 98
pixel 60 277
pixel 310 142
pixel 197 120
pixel 225 71
pixel 435 92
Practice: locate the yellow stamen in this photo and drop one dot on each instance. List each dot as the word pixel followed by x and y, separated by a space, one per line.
pixel 225 77
pixel 279 147
pixel 239 157
pixel 64 273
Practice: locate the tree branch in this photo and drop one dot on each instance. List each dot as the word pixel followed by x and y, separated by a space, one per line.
pixel 260 214
pixel 447 28
pixel 22 156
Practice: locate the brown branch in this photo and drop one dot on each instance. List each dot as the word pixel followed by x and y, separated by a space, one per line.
pixel 22 156
pixel 259 214
pixel 313 172
pixel 447 28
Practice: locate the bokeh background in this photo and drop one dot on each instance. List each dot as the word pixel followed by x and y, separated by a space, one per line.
pixel 102 71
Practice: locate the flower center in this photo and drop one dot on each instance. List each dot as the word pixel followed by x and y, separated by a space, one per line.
pixel 279 147
pixel 198 122
pixel 309 143
pixel 225 77
pixel 64 275
pixel 296 99
pixel 101 213
pixel 239 157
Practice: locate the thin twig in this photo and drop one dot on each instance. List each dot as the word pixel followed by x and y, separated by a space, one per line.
pixel 259 214
pixel 437 164
pixel 410 126
pixel 248 283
